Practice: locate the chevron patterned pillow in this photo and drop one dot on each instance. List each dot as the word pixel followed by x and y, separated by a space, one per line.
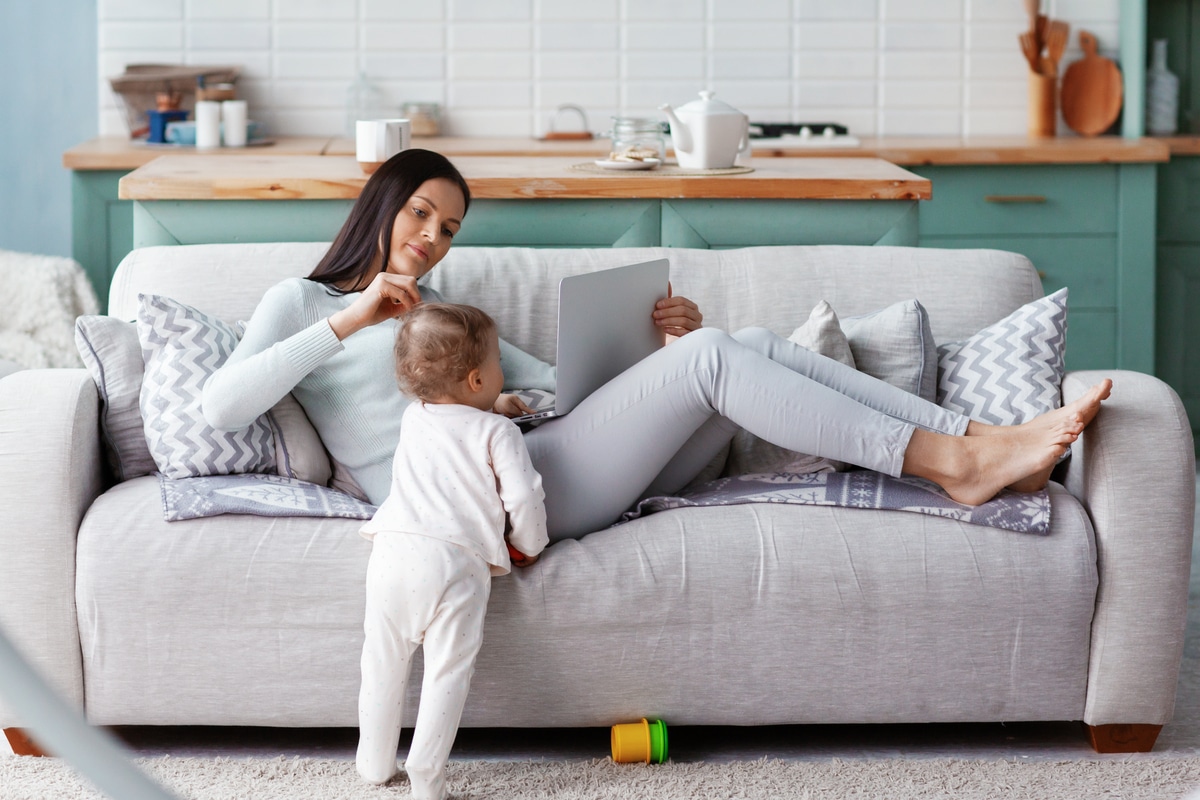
pixel 182 347
pixel 1010 371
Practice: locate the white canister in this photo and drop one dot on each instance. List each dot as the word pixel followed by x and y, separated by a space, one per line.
pixel 208 124
pixel 377 140
pixel 233 121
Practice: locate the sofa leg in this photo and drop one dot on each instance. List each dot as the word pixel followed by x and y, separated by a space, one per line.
pixel 1122 738
pixel 21 744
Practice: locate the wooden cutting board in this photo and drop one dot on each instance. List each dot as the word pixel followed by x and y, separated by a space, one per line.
pixel 1091 91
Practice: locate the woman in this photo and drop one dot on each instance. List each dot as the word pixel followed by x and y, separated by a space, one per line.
pixel 328 339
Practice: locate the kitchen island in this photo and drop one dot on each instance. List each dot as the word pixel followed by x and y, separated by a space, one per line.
pixel 539 202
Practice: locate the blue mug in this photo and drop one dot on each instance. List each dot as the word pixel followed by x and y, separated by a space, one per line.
pixel 158 124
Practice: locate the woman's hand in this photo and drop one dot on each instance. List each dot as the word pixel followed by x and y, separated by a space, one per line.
pixel 677 316
pixel 386 297
pixel 510 406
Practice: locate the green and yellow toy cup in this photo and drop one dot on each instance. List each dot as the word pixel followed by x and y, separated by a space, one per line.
pixel 640 741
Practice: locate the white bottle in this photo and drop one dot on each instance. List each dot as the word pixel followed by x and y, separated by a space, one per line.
pixel 1162 94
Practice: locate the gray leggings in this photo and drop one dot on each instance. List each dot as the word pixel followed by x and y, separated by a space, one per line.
pixel 654 427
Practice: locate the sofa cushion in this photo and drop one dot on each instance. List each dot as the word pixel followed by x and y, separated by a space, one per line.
pixel 668 615
pixel 1010 371
pixel 112 354
pixel 182 347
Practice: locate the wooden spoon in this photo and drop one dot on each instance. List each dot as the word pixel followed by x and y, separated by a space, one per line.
pixel 1030 49
pixel 1057 34
pixel 1033 8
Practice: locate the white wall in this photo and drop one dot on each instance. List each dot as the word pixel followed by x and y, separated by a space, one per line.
pixel 501 67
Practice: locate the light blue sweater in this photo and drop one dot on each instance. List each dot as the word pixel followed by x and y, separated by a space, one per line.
pixel 347 388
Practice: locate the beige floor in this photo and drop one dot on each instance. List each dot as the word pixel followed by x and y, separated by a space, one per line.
pixel 1036 741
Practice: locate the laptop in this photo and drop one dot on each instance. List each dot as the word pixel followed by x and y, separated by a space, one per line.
pixel 605 326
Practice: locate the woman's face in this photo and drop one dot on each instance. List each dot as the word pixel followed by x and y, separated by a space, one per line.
pixel 422 231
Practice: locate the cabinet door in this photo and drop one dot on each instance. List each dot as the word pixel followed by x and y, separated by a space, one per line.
pixel 1087 265
pixel 1179 324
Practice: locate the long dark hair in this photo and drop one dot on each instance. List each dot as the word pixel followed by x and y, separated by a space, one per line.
pixel 348 261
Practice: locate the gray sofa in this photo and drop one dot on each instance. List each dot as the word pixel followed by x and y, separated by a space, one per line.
pixel 740 615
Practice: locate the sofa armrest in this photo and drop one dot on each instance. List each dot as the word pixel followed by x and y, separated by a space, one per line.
pixel 1134 470
pixel 50 472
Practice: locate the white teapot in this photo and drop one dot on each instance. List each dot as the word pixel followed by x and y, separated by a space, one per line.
pixel 707 133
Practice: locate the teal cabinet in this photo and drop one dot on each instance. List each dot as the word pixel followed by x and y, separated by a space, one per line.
pixel 101 226
pixel 1178 329
pixel 1088 227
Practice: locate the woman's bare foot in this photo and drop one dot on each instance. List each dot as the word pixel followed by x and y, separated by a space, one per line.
pixel 973 469
pixel 1084 408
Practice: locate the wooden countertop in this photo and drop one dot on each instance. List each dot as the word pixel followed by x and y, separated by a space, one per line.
pixel 906 151
pixel 253 176
pixel 118 153
pixel 1182 145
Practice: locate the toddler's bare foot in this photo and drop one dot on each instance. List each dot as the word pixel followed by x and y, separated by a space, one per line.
pixel 1083 409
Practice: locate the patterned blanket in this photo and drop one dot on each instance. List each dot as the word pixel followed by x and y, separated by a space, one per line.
pixel 1015 511
pixel 261 495
pixel 277 496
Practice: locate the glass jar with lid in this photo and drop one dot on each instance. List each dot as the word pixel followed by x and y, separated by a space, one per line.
pixel 425 118
pixel 638 135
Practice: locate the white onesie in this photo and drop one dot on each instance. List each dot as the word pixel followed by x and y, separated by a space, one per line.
pixel 459 473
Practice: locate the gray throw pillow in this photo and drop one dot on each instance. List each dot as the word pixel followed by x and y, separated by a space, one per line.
pixel 299 452
pixel 1011 371
pixel 112 354
pixel 895 344
pixel 182 347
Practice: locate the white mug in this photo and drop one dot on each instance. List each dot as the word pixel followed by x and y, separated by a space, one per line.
pixel 377 140
pixel 208 124
pixel 233 120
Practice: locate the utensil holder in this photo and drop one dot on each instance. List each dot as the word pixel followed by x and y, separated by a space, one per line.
pixel 1043 104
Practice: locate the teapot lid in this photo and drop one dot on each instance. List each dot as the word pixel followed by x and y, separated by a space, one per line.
pixel 707 106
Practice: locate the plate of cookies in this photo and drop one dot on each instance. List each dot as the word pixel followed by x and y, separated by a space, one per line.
pixel 631 158
pixel 645 163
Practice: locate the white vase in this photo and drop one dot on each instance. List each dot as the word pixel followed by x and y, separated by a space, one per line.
pixel 1162 94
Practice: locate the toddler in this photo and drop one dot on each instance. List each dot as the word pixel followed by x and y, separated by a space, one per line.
pixel 460 473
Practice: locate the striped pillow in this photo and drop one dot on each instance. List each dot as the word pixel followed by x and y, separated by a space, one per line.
pixel 182 347
pixel 1011 371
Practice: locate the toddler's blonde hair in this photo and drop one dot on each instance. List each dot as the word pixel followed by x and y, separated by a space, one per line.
pixel 438 345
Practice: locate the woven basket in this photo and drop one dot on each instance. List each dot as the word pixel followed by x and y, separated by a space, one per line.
pixel 137 87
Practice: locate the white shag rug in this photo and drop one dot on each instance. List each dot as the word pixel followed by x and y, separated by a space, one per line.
pixel 1128 778
pixel 40 297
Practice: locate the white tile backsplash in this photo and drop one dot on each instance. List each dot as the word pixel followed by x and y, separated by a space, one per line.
pixel 403 37
pixel 231 35
pixel 502 67
pixel 315 36
pixel 228 9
